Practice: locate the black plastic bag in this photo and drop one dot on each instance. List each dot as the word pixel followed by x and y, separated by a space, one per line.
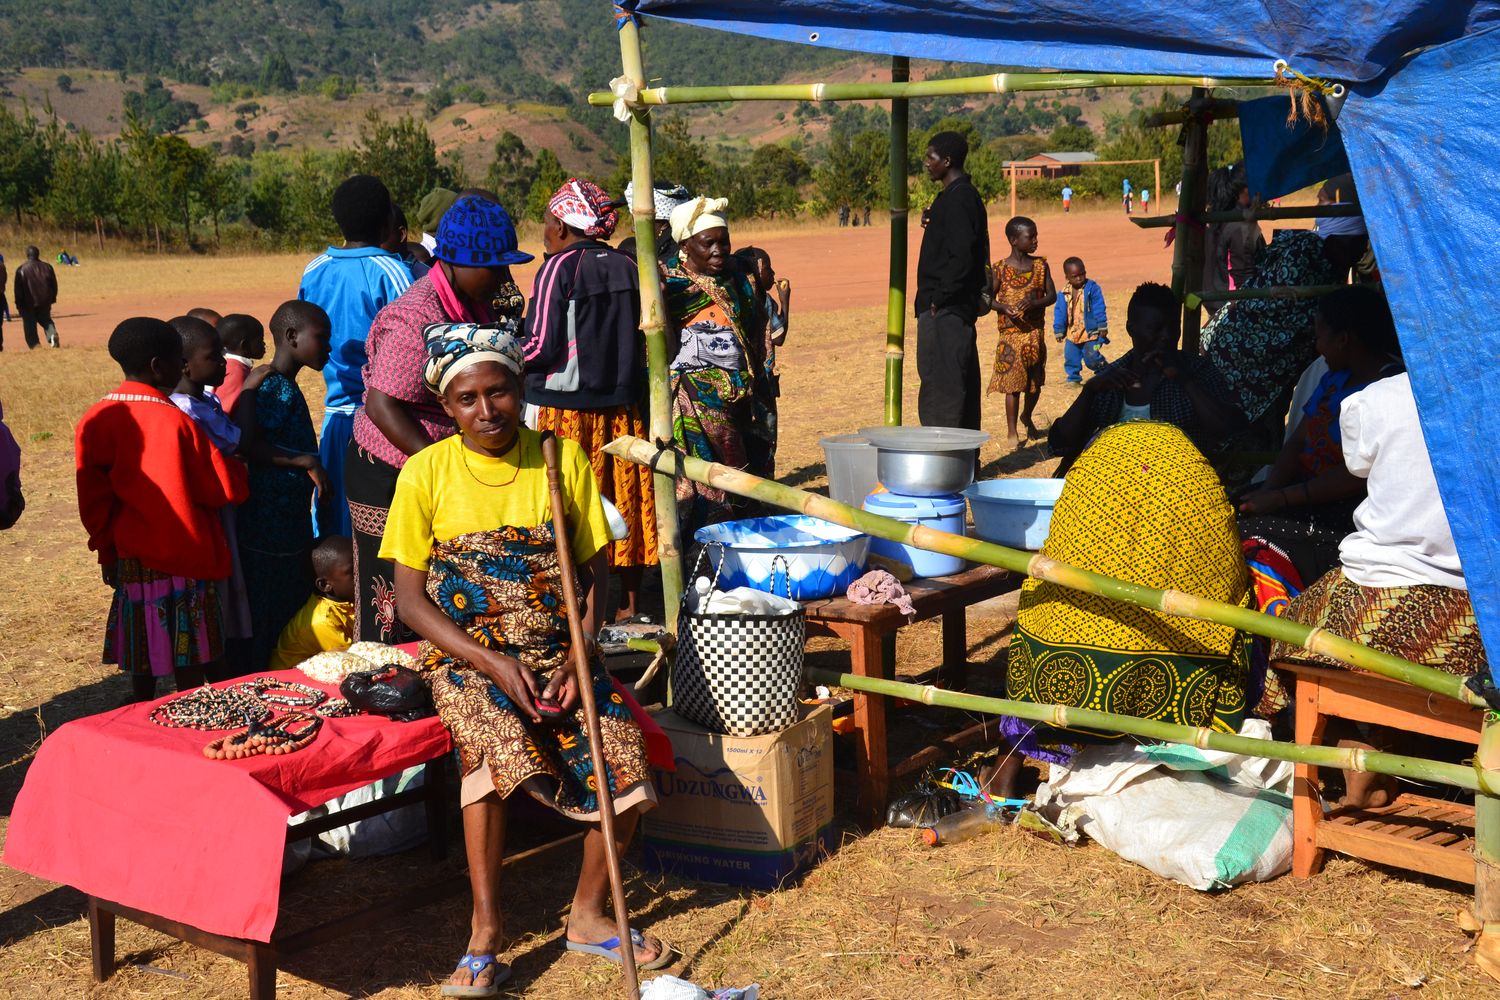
pixel 923 806
pixel 396 692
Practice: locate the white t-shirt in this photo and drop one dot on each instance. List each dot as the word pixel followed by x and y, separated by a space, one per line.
pixel 1401 536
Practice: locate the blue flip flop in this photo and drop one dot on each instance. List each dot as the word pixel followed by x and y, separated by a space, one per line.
pixel 477 964
pixel 610 950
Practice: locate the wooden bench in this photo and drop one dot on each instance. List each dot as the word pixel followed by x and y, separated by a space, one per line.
pixel 870 630
pixel 1414 832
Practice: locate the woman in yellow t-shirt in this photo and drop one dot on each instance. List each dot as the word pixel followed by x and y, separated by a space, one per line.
pixel 471 537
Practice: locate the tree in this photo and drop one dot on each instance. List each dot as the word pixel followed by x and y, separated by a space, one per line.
pixel 509 175
pixel 276 74
pixel 774 177
pixel 1072 138
pixel 64 83
pixel 679 158
pixel 85 183
pixel 25 160
pixel 987 172
pixel 218 188
pixel 549 176
pixel 401 154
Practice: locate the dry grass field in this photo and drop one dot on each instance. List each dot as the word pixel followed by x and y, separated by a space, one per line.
pixel 885 917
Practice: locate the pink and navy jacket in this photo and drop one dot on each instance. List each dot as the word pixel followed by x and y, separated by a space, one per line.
pixel 583 344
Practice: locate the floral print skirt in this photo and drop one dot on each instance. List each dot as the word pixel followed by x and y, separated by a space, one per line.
pixel 503 588
pixel 160 623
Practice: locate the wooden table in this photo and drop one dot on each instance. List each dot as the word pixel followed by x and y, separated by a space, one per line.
pixel 262 958
pixel 1414 832
pixel 870 630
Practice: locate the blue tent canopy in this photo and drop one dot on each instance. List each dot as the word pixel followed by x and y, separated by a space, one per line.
pixel 1424 77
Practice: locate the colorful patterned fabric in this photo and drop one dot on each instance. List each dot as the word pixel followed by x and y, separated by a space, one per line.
pixel 1021 353
pixel 719 414
pixel 452 347
pixel 275 525
pixel 1425 624
pixel 371 484
pixel 1262 345
pixel 586 207
pixel 1275 581
pixel 1141 504
pixel 504 588
pixel 160 623
pixel 1324 449
pixel 627 485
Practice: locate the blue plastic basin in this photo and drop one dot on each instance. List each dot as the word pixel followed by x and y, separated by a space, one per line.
pixel 1014 512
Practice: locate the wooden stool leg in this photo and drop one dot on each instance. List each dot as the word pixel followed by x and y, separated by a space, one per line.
pixel 1307 803
pixel 867 660
pixel 260 959
pixel 101 940
pixel 955 672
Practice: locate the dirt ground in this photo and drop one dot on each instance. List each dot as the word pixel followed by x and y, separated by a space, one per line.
pixel 883 918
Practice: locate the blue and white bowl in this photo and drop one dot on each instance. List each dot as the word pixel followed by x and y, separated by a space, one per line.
pixel 815 558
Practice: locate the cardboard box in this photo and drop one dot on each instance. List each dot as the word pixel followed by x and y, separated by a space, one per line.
pixel 754 811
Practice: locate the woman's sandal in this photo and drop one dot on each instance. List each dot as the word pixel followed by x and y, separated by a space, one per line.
pixel 477 964
pixel 610 950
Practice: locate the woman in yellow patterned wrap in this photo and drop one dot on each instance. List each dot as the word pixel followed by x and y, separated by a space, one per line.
pixel 1141 504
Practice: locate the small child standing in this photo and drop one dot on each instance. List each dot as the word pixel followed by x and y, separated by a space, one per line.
pixel 244 342
pixel 275 523
pixel 150 486
pixel 326 621
pixel 203 369
pixel 1145 199
pixel 1079 321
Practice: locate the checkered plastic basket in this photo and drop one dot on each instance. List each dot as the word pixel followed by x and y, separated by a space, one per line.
pixel 739 674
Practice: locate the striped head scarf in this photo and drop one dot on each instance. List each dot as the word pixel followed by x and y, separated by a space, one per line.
pixel 586 207
pixel 453 347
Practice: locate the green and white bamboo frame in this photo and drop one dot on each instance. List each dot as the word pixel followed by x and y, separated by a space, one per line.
pixel 1474 779
pixel 991 83
pixel 1266 212
pixel 1035 564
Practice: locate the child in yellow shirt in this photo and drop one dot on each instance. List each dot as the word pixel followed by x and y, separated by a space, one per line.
pixel 326 621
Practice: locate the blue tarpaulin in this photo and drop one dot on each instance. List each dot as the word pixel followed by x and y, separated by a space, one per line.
pixel 1418 126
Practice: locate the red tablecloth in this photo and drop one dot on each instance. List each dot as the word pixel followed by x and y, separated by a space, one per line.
pixel 132 812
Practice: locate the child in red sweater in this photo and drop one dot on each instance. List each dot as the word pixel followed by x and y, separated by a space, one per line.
pixel 150 487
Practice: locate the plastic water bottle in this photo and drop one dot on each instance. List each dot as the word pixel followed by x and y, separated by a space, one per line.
pixel 964 825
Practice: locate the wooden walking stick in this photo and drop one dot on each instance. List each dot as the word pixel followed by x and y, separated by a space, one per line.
pixel 590 715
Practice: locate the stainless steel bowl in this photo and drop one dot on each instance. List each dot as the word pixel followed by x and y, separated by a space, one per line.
pixel 925 461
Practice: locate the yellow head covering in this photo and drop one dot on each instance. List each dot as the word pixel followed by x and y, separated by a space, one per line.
pixel 696 215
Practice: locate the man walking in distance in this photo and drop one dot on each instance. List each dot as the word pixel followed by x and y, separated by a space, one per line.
pixel 36 292
pixel 952 272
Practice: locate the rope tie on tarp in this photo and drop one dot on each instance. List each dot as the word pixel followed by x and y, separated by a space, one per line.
pixel 624 17
pixel 1305 93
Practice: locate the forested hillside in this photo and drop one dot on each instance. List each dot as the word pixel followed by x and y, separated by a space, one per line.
pixel 542 50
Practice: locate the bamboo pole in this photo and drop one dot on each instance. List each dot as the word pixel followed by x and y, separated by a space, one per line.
pixel 995 83
pixel 895 304
pixel 653 324
pixel 1487 850
pixel 1194 299
pixel 1254 214
pixel 1036 564
pixel 1475 779
pixel 1156 168
pixel 1191 236
pixel 1013 212
pixel 590 710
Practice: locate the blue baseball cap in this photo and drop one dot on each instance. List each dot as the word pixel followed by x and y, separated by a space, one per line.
pixel 477 232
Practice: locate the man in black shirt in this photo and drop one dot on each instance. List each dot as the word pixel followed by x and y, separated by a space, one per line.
pixel 951 275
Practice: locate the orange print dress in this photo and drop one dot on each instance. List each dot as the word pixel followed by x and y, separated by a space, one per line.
pixel 1021 354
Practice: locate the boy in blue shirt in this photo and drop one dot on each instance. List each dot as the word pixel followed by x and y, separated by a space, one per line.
pixel 1079 321
pixel 351 283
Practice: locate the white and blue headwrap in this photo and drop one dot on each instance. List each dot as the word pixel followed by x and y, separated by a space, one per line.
pixel 453 347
